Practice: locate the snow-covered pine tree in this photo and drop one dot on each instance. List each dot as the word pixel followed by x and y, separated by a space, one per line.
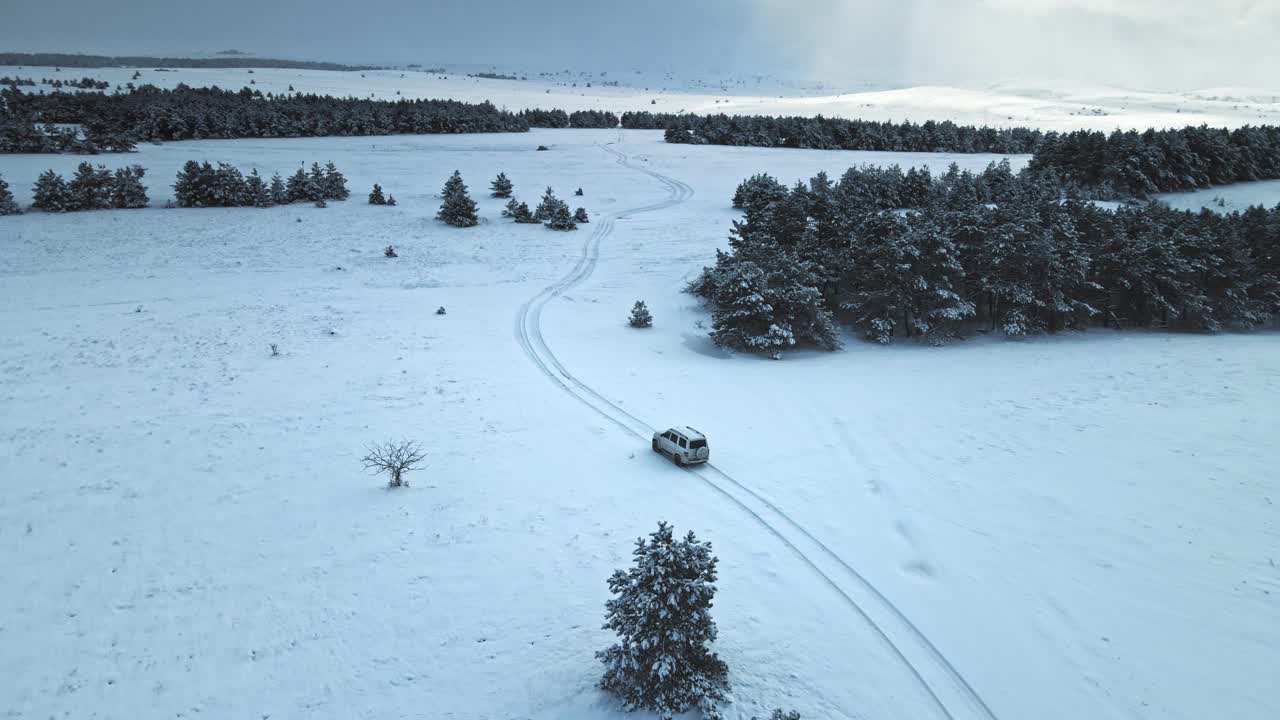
pixel 661 611
pixel 758 191
pixel 375 197
pixel 561 218
pixel 228 188
pixel 315 183
pixel 334 184
pixel 509 211
pixel 256 192
pixel 51 193
pixel 501 186
pixel 90 188
pixel 279 193
pixel 741 317
pixel 548 205
pixel 7 205
pixel 391 199
pixel 298 188
pixel 578 192
pixel 127 190
pixel 580 215
pixel 187 188
pixel 524 215
pixel 640 316
pixel 458 209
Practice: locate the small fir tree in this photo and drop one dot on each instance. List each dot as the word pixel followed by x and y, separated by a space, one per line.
pixel 640 317
pixel 187 191
pixel 501 186
pixel 375 197
pixel 524 215
pixel 334 183
pixel 7 205
pixel 510 210
pixel 580 215
pixel 548 205
pixel 90 188
pixel 561 218
pixel 256 192
pixel 578 192
pixel 51 193
pixel 390 252
pixel 661 611
pixel 316 183
pixel 228 188
pixel 279 193
pixel 391 199
pixel 127 190
pixel 458 209
pixel 299 187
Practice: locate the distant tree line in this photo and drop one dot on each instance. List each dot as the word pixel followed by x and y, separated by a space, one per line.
pixel 901 255
pixel 539 118
pixel 645 120
pixel 823 133
pixel 116 121
pixel 101 61
pixel 1123 164
pixel 1137 164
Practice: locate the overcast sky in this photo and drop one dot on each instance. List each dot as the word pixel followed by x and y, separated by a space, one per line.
pixel 1179 44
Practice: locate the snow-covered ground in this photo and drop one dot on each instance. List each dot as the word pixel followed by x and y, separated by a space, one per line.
pixel 1051 106
pixel 1067 527
pixel 1227 198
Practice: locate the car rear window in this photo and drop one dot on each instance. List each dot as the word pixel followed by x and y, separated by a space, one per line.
pixel 695 444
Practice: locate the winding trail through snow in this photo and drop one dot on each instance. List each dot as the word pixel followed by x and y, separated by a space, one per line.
pixel 946 687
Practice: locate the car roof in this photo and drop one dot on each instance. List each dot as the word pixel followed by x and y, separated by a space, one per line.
pixel 689 432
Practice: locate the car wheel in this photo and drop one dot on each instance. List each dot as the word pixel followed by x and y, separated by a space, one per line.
pixel 655 447
pixel 679 460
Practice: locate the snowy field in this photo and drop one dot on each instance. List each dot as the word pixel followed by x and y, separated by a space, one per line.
pixel 1051 106
pixel 1083 526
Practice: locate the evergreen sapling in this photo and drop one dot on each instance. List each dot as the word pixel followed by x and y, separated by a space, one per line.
pixel 640 317
pixel 458 209
pixel 7 205
pixel 51 193
pixel 661 611
pixel 501 186
pixel 561 218
pixel 127 190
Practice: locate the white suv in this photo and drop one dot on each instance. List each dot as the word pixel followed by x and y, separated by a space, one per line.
pixel 685 445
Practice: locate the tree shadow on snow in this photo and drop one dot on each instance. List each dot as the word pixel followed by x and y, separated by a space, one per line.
pixel 701 344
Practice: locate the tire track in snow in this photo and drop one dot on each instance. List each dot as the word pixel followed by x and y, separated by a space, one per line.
pixel 944 684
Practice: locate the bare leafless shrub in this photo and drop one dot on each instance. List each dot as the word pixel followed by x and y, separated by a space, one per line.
pixel 394 458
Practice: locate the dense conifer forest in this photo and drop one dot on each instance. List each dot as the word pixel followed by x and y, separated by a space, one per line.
pixel 909 255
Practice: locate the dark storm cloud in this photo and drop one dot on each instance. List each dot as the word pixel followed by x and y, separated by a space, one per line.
pixel 1165 43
